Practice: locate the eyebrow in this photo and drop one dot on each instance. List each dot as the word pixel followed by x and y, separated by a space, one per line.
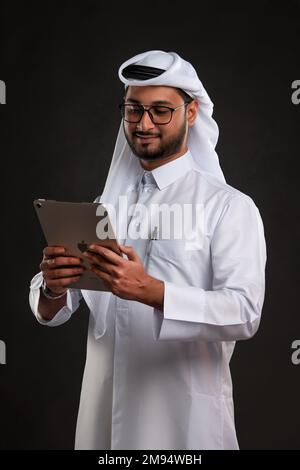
pixel 153 103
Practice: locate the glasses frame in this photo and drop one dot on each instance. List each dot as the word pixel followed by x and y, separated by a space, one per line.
pixel 123 107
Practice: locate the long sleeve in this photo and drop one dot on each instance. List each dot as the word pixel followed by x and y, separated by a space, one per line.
pixel 64 314
pixel 232 309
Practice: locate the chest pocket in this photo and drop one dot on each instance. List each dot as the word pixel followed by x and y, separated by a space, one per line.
pixel 168 250
pixel 177 261
pixel 168 260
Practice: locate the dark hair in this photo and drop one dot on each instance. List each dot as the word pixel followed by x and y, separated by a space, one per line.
pixel 186 98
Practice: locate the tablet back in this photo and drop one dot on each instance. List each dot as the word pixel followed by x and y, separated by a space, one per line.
pixel 75 225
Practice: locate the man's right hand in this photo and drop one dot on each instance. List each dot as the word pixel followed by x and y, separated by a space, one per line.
pixel 60 269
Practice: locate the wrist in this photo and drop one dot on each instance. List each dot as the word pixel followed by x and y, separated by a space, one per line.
pixel 49 294
pixel 153 293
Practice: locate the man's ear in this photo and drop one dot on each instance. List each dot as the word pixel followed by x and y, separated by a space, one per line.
pixel 192 112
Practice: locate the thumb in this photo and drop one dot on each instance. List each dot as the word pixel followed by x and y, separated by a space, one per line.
pixel 130 252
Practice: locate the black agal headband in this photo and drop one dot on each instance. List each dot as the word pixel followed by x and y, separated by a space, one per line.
pixel 141 72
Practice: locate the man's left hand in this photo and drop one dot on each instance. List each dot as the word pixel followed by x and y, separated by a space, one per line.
pixel 125 278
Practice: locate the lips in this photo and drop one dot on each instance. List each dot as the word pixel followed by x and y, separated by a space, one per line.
pixel 146 137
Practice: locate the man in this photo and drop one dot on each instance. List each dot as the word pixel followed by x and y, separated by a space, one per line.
pixel 160 341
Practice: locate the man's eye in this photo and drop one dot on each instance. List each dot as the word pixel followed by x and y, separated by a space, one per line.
pixel 133 109
pixel 161 111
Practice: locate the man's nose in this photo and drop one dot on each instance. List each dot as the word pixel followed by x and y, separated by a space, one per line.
pixel 146 122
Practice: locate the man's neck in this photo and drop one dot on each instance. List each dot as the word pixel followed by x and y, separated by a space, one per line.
pixel 151 165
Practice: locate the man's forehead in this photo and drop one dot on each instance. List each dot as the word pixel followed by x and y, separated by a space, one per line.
pixel 162 93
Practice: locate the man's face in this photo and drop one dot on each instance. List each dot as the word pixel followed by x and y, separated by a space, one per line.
pixel 150 141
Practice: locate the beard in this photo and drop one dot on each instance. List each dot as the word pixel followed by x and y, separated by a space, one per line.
pixel 168 147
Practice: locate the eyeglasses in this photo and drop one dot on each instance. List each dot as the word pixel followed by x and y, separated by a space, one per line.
pixel 133 113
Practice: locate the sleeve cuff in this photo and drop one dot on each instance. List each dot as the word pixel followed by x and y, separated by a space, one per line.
pixel 176 322
pixel 188 316
pixel 63 315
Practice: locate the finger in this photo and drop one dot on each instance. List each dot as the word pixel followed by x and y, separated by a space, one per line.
pixel 47 264
pixel 63 282
pixel 60 261
pixel 65 261
pixel 102 265
pixel 54 250
pixel 53 263
pixel 130 252
pixel 61 273
pixel 104 276
pixel 93 257
pixel 99 262
pixel 106 253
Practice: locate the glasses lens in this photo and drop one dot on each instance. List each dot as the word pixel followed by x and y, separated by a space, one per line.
pixel 161 114
pixel 132 113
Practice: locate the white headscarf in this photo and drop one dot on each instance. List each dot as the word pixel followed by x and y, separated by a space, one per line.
pixel 203 135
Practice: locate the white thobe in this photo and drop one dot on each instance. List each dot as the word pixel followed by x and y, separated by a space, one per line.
pixel 161 379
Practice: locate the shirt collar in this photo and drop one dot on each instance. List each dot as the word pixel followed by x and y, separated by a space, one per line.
pixel 168 173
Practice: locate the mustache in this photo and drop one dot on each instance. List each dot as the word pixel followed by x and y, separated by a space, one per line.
pixel 146 134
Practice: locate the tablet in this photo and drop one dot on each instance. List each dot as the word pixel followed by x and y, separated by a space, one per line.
pixel 75 225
